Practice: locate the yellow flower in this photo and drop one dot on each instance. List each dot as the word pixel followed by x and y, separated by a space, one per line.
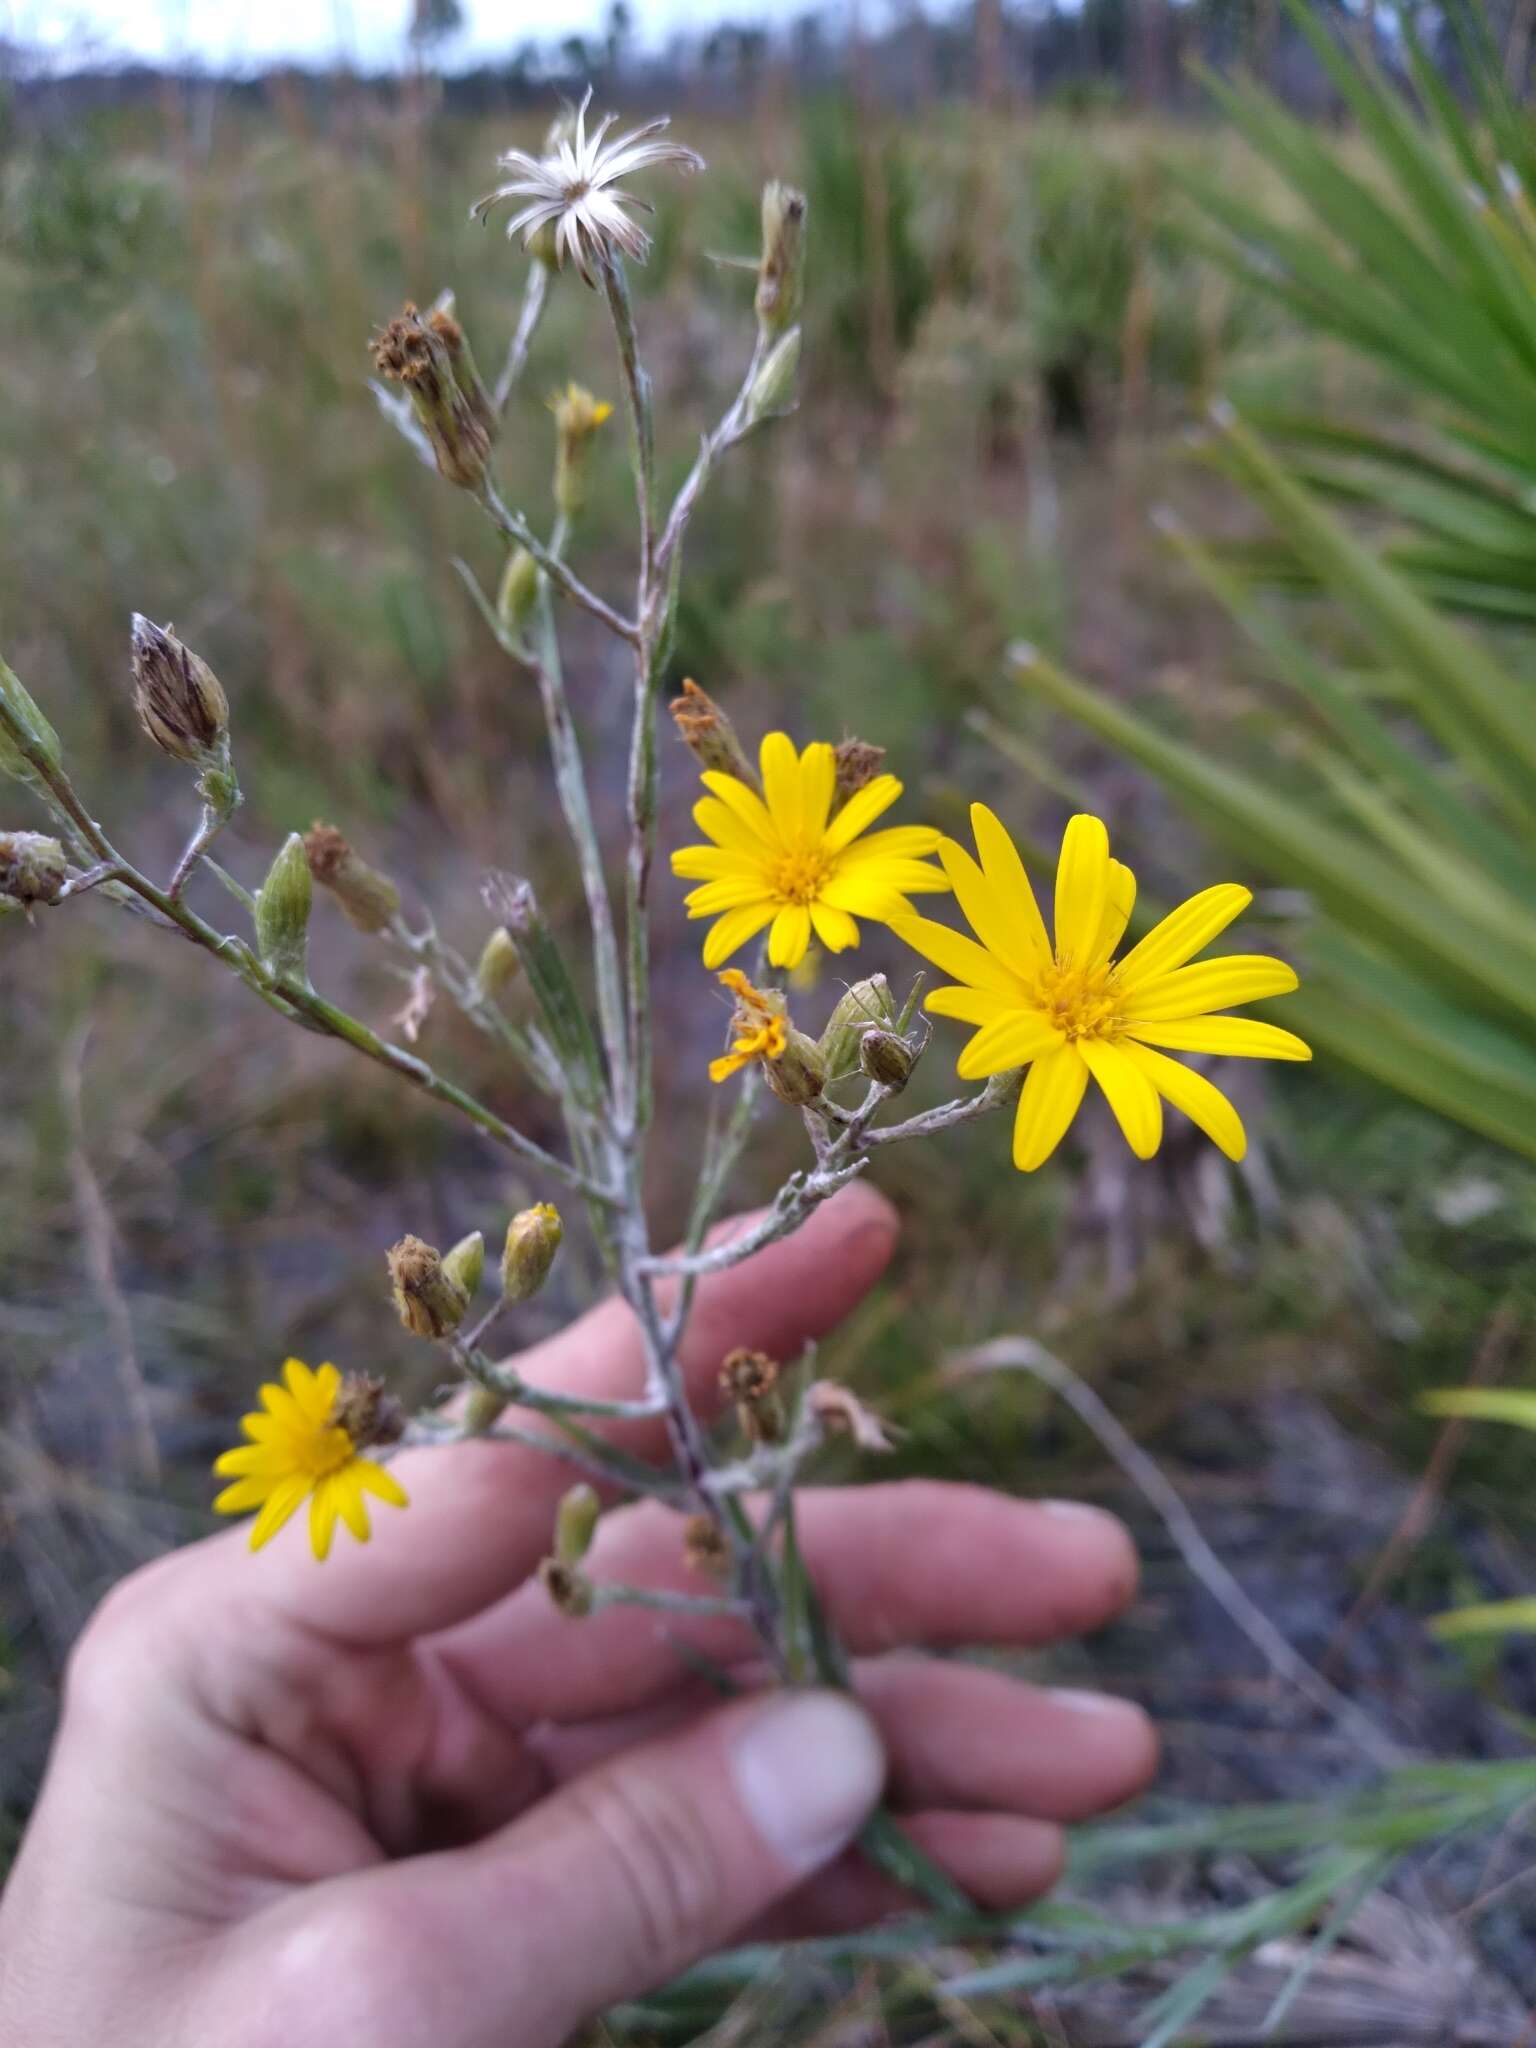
pixel 1070 1010
pixel 577 412
pixel 762 1032
pixel 297 1448
pixel 787 862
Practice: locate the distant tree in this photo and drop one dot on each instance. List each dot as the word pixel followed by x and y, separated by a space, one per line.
pixel 620 32
pixel 434 21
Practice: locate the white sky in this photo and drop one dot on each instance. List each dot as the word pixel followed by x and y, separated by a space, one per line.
pixel 226 32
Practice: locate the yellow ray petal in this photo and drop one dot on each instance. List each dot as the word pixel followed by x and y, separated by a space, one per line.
pixel 713 863
pixel 743 804
pixel 895 842
pixel 1236 1037
pixel 835 928
pixel 790 936
pixel 990 916
pixel 350 1504
pixel 1008 1041
pixel 1053 1089
pixel 250 1458
pixel 781 785
pixel 327 1387
pixel 1129 1093
pixel 732 931
pixel 818 784
pixel 1199 1099
pixel 372 1478
pixel 729 894
pixel 1003 868
pixel 865 895
pixel 1209 985
pixel 959 956
pixel 1182 933
pixel 283 1408
pixel 860 811
pixel 244 1495
pixel 1082 883
pixel 281 1503
pixel 1119 902
pixel 969 1005
pixel 322 1519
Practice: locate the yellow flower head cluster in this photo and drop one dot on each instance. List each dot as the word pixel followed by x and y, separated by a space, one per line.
pixel 760 1024
pixel 1062 1005
pixel 577 413
pixel 788 860
pixel 297 1451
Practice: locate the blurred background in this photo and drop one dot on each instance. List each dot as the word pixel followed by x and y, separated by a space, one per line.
pixel 1191 343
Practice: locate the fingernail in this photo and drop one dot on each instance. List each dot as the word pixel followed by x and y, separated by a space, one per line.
pixel 1103 1705
pixel 808 1768
pixel 1076 1511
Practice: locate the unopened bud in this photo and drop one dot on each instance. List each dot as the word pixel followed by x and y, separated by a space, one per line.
pixel 411 352
pixel 773 388
pixel 519 592
pixel 798 1074
pixel 781 273
pixel 499 965
pixel 466 372
pixel 282 912
pixel 32 868
pixel 576 1524
pixel 533 1238
pixel 428 1301
pixel 180 701
pixel 465 1264
pixel 578 415
pixel 571 1592
pixel 867 1002
pixel 751 1380
pixel 705 1546
pixel 23 729
pixel 887 1059
pixel 543 246
pixel 858 763
pixel 369 899
pixel 709 735
pixel 367 1412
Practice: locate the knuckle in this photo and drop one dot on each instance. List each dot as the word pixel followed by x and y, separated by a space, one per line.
pixel 663 1869
pixel 115 1643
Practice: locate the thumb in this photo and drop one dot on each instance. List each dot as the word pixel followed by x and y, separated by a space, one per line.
pixel 634 1870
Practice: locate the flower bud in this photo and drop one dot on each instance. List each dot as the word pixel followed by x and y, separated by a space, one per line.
pixel 369 899
pixel 519 592
pixel 466 373
pixel 781 273
pixel 22 722
pixel 32 868
pixel 428 1300
pixel 368 1413
pixel 571 1592
pixel 576 1524
pixel 465 1264
pixel 499 965
pixel 867 1002
pixel 180 701
pixel 709 735
pixel 887 1059
pixel 282 912
pixel 857 763
pixel 798 1074
pixel 773 388
pixel 751 1380
pixel 533 1238
pixel 411 352
pixel 578 415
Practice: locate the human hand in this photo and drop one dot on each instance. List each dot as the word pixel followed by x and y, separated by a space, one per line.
pixel 399 1797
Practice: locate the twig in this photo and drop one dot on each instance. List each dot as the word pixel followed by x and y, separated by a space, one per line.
pixel 535 293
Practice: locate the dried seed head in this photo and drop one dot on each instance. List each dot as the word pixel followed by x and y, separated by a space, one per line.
pixel 569 1589
pixel 367 1412
pixel 283 904
pixel 576 1524
pixel 858 763
pixel 411 352
pixel 705 1547
pixel 887 1059
pixel 781 273
pixel 369 899
pixel 428 1301
pixel 709 735
pixel 751 1380
pixel 499 965
pixel 466 373
pixel 180 701
pixel 32 868
pixel 533 1238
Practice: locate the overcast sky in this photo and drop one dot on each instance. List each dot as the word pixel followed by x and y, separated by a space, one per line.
pixel 225 32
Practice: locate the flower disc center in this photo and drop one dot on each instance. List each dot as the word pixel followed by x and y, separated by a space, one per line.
pixel 798 877
pixel 1080 1001
pixel 326 1452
